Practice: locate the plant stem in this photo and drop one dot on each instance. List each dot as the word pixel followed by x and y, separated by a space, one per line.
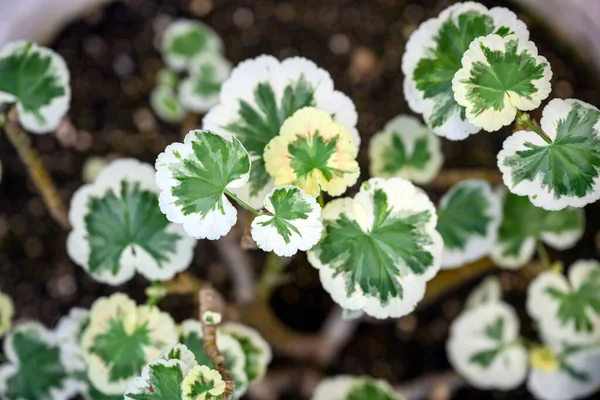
pixel 211 300
pixel 543 254
pixel 321 200
pixel 270 275
pixel 38 173
pixel 525 119
pixel 242 203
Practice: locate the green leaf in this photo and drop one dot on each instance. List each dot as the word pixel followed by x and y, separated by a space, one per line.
pixel 186 39
pixel 292 223
pixel 523 224
pixel 37 79
pixel 160 380
pixel 194 177
pixel 494 331
pixel 200 91
pixel 433 56
pixel 498 77
pixel 468 218
pixel 485 358
pixel 370 389
pixel 256 350
pixel 191 337
pixel 375 243
pixel 34 370
pixel 166 105
pixel 564 172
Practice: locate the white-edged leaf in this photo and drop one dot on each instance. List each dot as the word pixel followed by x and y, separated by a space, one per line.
pixel 160 380
pixel 433 55
pixel 34 369
pixel 567 310
pixel 523 224
pixel 468 219
pixel 407 149
pixel 313 152
pixel 166 104
pixel 186 39
pixel 499 76
pixel 194 177
pixel 488 291
pixel 121 338
pixel 7 310
pixel 379 248
pixel 292 223
pixel 118 228
pixel 68 335
pixel 260 95
pixel 92 167
pixel 565 172
pixel 200 90
pixel 346 387
pixel 484 349
pixel 37 80
pixel 256 349
pixel 202 383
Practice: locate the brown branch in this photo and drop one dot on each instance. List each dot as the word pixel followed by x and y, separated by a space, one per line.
pixel 433 386
pixel 38 173
pixel 239 265
pixel 211 300
pixel 299 379
pixel 450 177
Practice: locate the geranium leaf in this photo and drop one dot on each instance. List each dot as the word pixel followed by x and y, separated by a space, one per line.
pixel 483 347
pixel 257 351
pixel 160 380
pixel 292 223
pixel 200 91
pixel 260 95
pixel 523 224
pixel 202 383
pixel 433 55
pixel 372 390
pixel 7 310
pixel 185 39
pixel 34 369
pixel 468 219
pixel 564 172
pixel 379 249
pixel 121 338
pixel 499 76
pixel 488 291
pixel 37 80
pixel 166 105
pixel 406 149
pixel 119 229
pixel 194 177
pixel 345 387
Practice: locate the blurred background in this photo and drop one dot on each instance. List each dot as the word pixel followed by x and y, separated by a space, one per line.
pixel 111 48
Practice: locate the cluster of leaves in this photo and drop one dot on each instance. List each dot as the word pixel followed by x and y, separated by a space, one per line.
pixel 192 48
pixel 100 353
pixel 485 347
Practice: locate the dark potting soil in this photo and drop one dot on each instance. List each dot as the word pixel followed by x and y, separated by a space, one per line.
pixel 113 59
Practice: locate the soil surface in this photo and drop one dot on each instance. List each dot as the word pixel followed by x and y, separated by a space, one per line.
pixel 113 59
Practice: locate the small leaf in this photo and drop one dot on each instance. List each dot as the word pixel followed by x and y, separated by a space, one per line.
pixel 166 105
pixel 345 387
pixel 118 228
pixel 468 219
pixel 484 349
pixel 499 76
pixel 257 351
pixel 523 224
pixel 488 291
pixel 194 177
pixel 68 335
pixel 186 39
pixel 200 91
pixel 292 223
pixel 37 80
pixel 7 310
pixel 406 149
pixel 565 172
pixel 314 153
pixel 379 249
pixel 121 338
pixel 260 95
pixel 34 369
pixel 433 55
pixel 202 383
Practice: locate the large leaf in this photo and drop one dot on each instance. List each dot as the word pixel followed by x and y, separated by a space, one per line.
pixel 564 172
pixel 121 338
pixel 260 95
pixel 119 229
pixel 568 310
pixel 194 178
pixel 499 76
pixel 379 249
pixel 483 347
pixel 433 55
pixel 292 222
pixel 37 80
pixel 523 224
pixel 468 219
pixel 186 39
pixel 34 369
pixel 406 149
pixel 200 91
